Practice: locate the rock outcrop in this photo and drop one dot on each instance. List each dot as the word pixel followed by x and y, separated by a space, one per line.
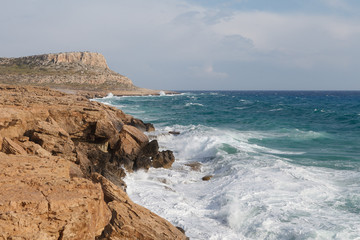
pixel 73 70
pixel 84 58
pixel 61 168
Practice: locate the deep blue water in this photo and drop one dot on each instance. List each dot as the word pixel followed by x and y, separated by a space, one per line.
pixel 304 146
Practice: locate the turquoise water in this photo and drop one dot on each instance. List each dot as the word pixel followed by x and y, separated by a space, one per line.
pixel 286 165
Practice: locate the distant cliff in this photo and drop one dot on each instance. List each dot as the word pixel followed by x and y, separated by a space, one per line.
pixel 71 70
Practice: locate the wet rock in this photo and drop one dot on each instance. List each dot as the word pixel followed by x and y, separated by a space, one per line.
pixel 149 127
pixel 114 173
pixel 207 177
pixel 174 132
pixel 151 149
pixel 163 159
pixel 142 162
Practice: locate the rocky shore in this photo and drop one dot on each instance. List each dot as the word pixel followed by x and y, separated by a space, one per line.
pixel 62 161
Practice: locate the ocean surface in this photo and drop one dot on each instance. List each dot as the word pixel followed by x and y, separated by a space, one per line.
pixel 285 164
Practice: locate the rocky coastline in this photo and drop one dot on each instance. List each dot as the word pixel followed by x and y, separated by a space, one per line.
pixel 63 159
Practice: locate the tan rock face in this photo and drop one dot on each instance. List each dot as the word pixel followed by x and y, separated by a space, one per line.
pixel 39 200
pixel 86 58
pixel 59 149
pixel 11 147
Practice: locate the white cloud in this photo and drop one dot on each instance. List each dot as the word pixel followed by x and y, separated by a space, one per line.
pixel 338 4
pixel 167 40
pixel 208 72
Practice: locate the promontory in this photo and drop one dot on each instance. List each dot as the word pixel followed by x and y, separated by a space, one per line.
pixel 75 72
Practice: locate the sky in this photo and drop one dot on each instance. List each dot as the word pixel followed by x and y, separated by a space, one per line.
pixel 199 44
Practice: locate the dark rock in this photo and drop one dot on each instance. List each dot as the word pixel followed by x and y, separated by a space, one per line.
pixel 90 153
pixel 207 177
pixel 181 229
pixel 115 174
pixel 149 127
pixel 142 162
pixel 85 164
pixel 174 132
pixel 163 159
pixel 151 149
pixel 125 160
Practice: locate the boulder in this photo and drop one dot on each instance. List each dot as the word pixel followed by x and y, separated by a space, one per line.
pixel 163 159
pixel 174 132
pixel 106 132
pixel 139 124
pixel 151 149
pixel 207 177
pixel 132 140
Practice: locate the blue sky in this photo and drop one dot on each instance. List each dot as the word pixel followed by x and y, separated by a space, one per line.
pixel 203 44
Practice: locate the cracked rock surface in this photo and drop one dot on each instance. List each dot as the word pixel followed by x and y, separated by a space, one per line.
pixel 40 200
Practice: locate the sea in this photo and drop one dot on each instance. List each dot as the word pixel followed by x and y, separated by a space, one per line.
pixel 284 164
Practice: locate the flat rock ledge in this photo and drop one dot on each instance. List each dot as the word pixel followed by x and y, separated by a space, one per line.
pixel 62 161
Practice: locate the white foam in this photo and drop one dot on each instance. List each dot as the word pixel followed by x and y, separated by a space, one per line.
pixel 253 195
pixel 193 104
pixel 110 95
pixel 275 110
pixel 162 93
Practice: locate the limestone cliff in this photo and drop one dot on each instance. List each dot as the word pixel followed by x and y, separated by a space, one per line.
pixel 71 70
pixel 62 160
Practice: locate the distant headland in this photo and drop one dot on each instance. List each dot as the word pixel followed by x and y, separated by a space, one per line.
pixel 81 72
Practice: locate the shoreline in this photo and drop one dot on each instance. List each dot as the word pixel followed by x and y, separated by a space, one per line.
pixel 81 145
pixel 103 93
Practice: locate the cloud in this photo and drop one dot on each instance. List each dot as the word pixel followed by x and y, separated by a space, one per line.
pixel 208 72
pixel 342 4
pixel 175 44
